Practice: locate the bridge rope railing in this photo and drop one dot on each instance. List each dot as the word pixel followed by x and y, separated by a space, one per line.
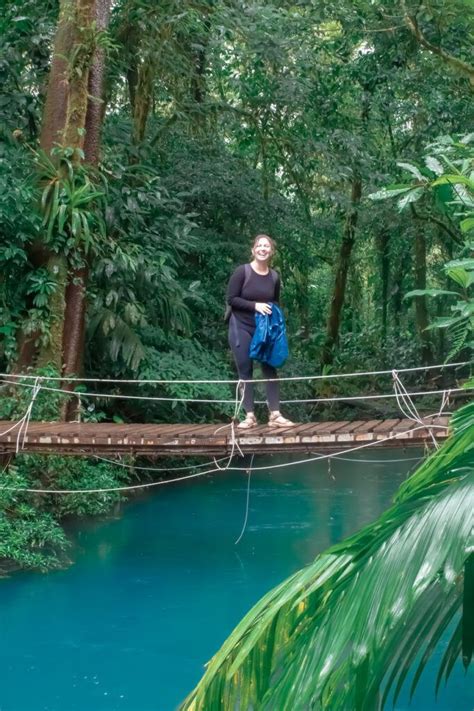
pixel 150 381
pixel 228 401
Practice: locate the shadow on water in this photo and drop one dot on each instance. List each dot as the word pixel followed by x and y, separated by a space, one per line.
pixel 153 594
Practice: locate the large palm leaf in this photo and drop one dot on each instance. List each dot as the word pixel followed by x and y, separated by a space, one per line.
pixel 344 631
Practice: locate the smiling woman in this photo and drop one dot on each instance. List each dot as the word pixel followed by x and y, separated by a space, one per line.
pixel 254 288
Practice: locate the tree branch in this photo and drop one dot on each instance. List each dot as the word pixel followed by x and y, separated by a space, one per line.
pixel 435 220
pixel 454 62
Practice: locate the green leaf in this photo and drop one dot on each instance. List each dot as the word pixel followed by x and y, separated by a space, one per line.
pixel 468 612
pixel 412 196
pixel 464 263
pixel 467 225
pixel 460 276
pixel 445 322
pixel 430 292
pixel 454 180
pixel 86 234
pixel 413 170
pixel 62 217
pixel 390 192
pixel 434 165
pixel 44 196
pixel 75 223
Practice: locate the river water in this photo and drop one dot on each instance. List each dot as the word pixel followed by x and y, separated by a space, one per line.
pixel 153 593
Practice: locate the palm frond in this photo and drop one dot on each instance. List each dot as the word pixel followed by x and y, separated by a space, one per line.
pixel 345 631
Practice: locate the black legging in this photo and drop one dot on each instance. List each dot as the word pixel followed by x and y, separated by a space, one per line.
pixel 240 336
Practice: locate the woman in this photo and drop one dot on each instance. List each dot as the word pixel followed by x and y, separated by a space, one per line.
pixel 250 291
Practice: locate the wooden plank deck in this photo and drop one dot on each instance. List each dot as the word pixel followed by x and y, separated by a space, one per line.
pixel 182 440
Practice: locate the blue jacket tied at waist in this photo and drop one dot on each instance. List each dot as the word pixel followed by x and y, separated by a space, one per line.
pixel 269 343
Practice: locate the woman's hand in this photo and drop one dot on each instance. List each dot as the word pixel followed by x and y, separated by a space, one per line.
pixel 264 309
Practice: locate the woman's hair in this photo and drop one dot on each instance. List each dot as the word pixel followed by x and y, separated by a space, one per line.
pixel 272 242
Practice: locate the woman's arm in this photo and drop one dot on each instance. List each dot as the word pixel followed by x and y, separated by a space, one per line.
pixel 234 290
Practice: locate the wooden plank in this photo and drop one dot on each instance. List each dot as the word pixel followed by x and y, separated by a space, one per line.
pixel 353 426
pixel 409 430
pixel 348 432
pixel 366 426
pixel 405 424
pixel 191 437
pixel 386 426
pixel 322 427
pixel 327 432
pixel 292 431
pixel 199 431
pixel 306 427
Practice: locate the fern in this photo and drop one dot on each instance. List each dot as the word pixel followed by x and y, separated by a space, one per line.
pixel 459 333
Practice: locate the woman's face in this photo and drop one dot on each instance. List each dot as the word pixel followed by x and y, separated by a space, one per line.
pixel 262 250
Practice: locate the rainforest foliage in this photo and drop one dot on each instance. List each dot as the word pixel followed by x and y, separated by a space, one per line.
pixel 144 144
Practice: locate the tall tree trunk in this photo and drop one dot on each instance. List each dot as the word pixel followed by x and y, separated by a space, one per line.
pixel 72 118
pixel 76 26
pixel 74 323
pixel 347 244
pixel 198 88
pixel 383 246
pixel 303 289
pixel 54 120
pixel 143 100
pixel 55 108
pixel 402 267
pixel 132 82
pixel 76 291
pixel 421 308
pixel 95 107
pixel 339 289
pixel 198 82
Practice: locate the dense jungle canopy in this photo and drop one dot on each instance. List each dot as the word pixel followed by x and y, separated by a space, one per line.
pixel 142 146
pixel 189 127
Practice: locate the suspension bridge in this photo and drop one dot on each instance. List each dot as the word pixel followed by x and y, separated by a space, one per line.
pixel 154 440
pixel 189 440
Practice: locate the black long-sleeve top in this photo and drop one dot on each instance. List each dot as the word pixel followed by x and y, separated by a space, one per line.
pixel 259 288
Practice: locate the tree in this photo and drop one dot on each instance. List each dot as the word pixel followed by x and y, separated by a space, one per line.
pixel 446 176
pixel 70 137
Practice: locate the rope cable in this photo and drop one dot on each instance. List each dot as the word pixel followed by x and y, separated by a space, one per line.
pixel 404 401
pixel 244 526
pixel 231 424
pixel 330 376
pixel 156 469
pixel 151 398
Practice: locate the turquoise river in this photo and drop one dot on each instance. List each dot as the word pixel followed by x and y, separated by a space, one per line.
pixel 154 592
